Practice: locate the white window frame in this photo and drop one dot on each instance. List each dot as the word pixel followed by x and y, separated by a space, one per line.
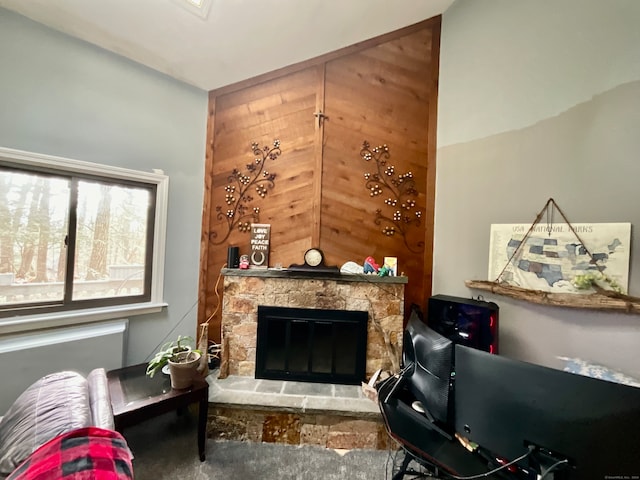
pixel 155 304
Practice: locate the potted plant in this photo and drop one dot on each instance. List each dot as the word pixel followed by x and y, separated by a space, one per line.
pixel 181 358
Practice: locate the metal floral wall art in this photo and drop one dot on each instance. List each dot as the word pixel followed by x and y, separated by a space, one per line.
pixel 400 211
pixel 240 190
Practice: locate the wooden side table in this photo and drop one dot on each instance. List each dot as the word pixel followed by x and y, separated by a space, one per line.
pixel 135 397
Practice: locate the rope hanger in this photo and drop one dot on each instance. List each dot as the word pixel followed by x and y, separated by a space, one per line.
pixel 548 209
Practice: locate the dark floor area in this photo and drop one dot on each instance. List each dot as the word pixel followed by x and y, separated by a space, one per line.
pixel 166 447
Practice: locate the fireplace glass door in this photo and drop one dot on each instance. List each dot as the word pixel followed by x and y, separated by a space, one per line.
pixel 313 345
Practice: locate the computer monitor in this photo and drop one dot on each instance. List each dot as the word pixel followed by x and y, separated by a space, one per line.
pixel 505 405
pixel 429 359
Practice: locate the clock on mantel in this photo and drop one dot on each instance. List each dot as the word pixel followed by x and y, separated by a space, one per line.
pixel 314 263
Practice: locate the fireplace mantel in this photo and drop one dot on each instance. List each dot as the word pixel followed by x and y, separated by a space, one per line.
pixel 245 290
pixel 292 274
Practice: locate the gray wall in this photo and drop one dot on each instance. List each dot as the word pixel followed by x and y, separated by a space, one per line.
pixel 60 96
pixel 537 100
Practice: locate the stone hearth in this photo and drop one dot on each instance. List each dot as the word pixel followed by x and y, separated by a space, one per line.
pixel 294 413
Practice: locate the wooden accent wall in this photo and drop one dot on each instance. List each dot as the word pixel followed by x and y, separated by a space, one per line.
pixel 383 91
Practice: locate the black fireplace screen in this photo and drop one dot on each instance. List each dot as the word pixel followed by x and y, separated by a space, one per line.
pixel 312 345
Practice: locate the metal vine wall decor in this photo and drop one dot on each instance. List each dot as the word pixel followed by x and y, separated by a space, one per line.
pixel 239 213
pixel 401 211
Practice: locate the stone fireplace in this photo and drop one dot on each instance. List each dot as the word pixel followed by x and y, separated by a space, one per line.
pixel 245 407
pixel 247 290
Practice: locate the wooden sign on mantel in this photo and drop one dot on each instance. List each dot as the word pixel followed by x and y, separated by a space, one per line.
pixel 260 236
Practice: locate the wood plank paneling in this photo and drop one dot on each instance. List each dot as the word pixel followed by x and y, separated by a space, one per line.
pixel 379 95
pixel 279 109
pixel 383 91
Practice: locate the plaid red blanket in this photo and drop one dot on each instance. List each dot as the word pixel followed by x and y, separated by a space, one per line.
pixel 83 454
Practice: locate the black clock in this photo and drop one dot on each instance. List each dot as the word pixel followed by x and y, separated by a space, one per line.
pixel 314 263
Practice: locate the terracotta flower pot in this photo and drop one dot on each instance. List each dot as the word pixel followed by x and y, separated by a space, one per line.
pixel 182 369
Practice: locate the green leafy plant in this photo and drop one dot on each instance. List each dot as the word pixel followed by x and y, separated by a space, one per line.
pixel 596 280
pixel 178 350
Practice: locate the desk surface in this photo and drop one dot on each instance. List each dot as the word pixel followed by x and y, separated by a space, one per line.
pixel 131 389
pixel 135 397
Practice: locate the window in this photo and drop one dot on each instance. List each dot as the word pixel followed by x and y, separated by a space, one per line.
pixel 76 235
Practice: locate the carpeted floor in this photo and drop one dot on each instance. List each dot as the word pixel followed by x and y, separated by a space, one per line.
pixel 166 448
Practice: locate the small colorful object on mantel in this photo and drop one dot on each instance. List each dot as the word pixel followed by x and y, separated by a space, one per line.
pixel 370 265
pixel 385 271
pixel 244 262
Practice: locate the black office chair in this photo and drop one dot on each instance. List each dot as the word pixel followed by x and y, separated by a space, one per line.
pixel 417 408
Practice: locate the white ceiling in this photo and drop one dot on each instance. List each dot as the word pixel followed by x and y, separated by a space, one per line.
pixel 238 39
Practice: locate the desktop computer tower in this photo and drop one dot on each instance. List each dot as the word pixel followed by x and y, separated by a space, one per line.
pixel 469 322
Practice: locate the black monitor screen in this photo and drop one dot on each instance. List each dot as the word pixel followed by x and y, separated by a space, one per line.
pixel 504 405
pixel 431 355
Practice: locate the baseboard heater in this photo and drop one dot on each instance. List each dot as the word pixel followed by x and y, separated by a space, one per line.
pixel 28 356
